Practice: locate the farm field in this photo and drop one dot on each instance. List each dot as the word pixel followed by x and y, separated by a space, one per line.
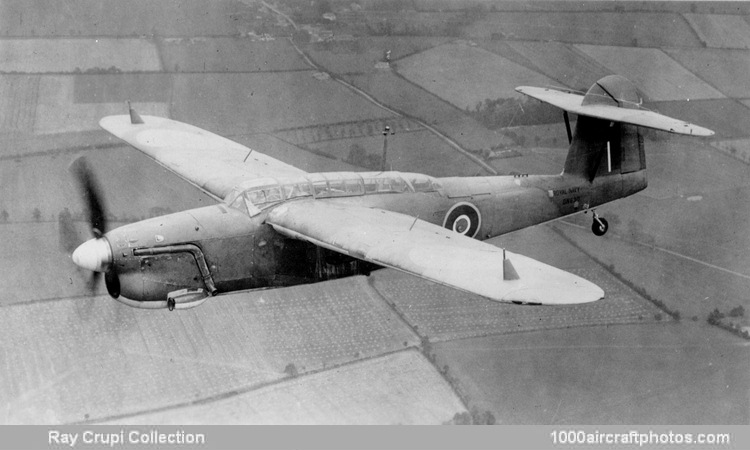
pixel 232 343
pixel 657 75
pixel 724 69
pixel 721 31
pixel 71 55
pixel 737 148
pixel 729 118
pixel 360 56
pixel 605 375
pixel 229 55
pixel 561 62
pixel 677 281
pixel 530 160
pixel 132 183
pixel 653 29
pixel 443 314
pixel 57 111
pixel 291 154
pixel 442 71
pixel 401 388
pixel 124 18
pixel 121 88
pixel 262 102
pixel 417 151
pixel 18 102
pixel 405 97
pixel 353 343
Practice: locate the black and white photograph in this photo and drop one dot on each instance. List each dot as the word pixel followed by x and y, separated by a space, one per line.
pixel 374 212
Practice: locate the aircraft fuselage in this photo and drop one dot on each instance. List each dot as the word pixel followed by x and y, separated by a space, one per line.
pixel 220 249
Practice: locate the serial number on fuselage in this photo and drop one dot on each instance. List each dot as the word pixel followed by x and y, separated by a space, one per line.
pixel 568 191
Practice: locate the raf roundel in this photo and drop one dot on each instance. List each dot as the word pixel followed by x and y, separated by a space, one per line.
pixel 463 218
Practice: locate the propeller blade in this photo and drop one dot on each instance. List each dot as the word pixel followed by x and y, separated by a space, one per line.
pixel 92 195
pixel 93 281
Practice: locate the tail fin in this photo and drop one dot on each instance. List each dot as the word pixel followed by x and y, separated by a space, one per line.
pixel 606 138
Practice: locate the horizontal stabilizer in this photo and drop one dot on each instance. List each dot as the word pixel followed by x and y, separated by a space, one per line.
pixel 634 114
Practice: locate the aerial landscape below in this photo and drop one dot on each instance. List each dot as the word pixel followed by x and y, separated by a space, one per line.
pixel 313 85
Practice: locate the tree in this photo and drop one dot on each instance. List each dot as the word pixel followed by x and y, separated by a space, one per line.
pixel 291 370
pixel 737 312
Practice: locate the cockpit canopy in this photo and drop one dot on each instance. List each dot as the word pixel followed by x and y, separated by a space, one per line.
pixel 251 197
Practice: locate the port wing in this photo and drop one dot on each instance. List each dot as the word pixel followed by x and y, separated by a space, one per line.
pixel 212 163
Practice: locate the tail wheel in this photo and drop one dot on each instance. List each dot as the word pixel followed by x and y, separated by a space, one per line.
pixel 600 226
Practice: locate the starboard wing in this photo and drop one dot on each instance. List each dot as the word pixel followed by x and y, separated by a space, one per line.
pixel 213 163
pixel 429 251
pixel 635 116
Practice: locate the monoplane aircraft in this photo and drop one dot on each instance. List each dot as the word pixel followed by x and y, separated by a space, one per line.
pixel 276 225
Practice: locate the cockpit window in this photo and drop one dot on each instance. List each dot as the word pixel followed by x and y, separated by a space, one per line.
pixel 273 195
pixel 385 184
pixel 297 190
pixel 421 184
pixel 354 186
pixel 256 197
pixel 239 204
pixel 320 189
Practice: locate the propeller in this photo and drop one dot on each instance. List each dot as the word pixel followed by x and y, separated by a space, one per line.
pixel 95 254
pixel 92 195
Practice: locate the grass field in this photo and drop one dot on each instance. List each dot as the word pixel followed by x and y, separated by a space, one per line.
pixel 737 148
pixel 231 343
pixel 603 28
pixel 121 88
pixel 262 102
pixel 398 93
pixel 721 31
pixel 291 154
pixel 401 388
pixel 124 18
pixel 442 71
pixel 71 55
pixel 58 112
pixel 629 374
pixel 561 62
pixel 694 286
pixel 728 118
pixel 657 75
pixel 726 70
pixel 442 313
pixel 361 55
pixel 419 151
pixel 18 102
pixel 229 55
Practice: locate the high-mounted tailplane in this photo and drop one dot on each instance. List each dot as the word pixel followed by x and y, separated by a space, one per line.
pixel 606 138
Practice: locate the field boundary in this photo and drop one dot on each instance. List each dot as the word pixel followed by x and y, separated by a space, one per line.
pixel 236 392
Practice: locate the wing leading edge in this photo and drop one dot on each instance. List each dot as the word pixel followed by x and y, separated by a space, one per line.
pixel 213 163
pixel 431 252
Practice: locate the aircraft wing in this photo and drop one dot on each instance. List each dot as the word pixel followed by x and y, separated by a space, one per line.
pixel 429 251
pixel 212 163
pixel 641 117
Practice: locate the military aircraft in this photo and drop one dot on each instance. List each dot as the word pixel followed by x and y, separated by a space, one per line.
pixel 275 225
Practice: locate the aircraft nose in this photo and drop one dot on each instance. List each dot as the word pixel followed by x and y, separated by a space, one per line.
pixel 94 255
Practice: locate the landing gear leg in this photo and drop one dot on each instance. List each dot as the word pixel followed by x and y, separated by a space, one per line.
pixel 170 304
pixel 600 225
